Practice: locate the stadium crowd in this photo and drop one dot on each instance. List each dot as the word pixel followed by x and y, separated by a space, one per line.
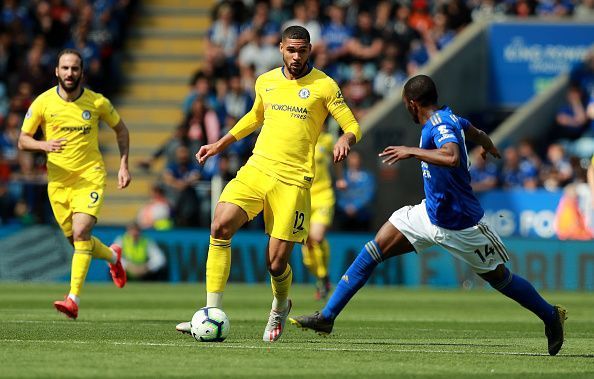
pixel 368 47
pixel 32 32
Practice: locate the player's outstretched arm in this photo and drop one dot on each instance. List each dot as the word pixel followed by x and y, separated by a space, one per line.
pixel 212 149
pixel 481 138
pixel 123 138
pixel 28 143
pixel 448 155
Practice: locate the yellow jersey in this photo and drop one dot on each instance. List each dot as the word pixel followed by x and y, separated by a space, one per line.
pixel 323 158
pixel 78 122
pixel 292 114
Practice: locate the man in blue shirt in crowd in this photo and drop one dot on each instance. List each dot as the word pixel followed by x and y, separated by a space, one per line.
pixel 450 216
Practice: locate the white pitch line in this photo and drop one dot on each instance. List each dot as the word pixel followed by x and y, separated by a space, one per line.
pixel 275 346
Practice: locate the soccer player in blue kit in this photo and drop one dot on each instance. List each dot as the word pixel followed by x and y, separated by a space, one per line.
pixel 450 216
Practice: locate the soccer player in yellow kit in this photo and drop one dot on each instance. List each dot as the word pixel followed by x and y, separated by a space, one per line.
pixel 291 105
pixel 69 116
pixel 316 251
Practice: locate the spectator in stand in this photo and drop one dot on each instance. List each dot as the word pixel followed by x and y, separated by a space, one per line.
pixel 383 11
pixel 260 54
pixel 335 37
pixel 34 73
pixel 167 149
pixel 483 173
pixel 278 13
pixel 4 99
pixel 354 202
pixel 91 55
pixel 553 8
pixel 237 102
pixel 401 32
pixel 523 8
pixel 558 171
pixel 528 154
pixel 488 10
pixel 142 258
pixel 571 117
pixel 9 139
pixel 517 173
pixel 23 98
pixel 358 91
pixel 584 10
pixel 260 27
pixel 216 100
pixel 458 15
pixel 54 28
pixel 222 41
pixel 301 18
pixel 440 35
pixel 366 45
pixel 201 124
pixel 200 86
pixel 180 178
pixel 389 80
pixel 156 214
pixel 419 18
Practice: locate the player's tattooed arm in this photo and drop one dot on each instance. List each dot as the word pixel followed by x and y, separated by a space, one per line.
pixel 123 138
pixel 26 142
pixel 481 138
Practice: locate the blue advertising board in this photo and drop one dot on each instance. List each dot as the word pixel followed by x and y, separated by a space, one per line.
pixel 521 213
pixel 549 264
pixel 525 58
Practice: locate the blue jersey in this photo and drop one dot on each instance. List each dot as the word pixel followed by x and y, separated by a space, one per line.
pixel 449 199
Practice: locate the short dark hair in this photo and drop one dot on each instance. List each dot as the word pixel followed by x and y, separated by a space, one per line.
pixel 421 89
pixel 70 51
pixel 296 32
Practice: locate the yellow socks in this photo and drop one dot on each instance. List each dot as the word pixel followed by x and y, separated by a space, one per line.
pixel 280 288
pixel 101 251
pixel 218 265
pixel 322 256
pixel 309 260
pixel 80 265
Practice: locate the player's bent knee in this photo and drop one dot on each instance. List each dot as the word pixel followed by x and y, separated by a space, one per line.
pixel 220 230
pixel 277 268
pixel 496 277
pixel 82 234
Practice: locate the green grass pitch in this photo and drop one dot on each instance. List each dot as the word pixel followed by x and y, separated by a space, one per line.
pixel 384 332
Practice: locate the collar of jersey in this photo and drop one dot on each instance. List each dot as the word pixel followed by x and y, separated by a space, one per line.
pixel 78 97
pixel 310 67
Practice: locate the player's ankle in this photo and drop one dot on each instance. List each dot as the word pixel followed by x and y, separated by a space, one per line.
pixel 74 298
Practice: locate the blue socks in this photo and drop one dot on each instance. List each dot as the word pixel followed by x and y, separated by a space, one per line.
pixel 354 278
pixel 519 289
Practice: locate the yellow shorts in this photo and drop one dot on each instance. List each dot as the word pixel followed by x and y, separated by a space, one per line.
pixel 286 207
pixel 81 197
pixel 322 207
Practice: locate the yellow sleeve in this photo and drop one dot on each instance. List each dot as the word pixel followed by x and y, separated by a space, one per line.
pixel 341 111
pixel 251 120
pixel 33 118
pixel 107 112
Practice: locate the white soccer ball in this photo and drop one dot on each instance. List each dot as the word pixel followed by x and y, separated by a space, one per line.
pixel 210 324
